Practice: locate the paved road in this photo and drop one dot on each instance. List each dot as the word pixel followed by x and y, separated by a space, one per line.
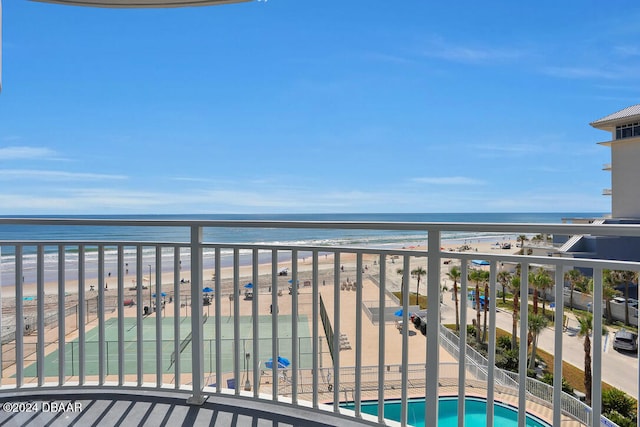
pixel 618 369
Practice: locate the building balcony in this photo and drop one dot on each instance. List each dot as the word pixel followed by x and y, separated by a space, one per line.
pixel 606 167
pixel 607 192
pixel 163 322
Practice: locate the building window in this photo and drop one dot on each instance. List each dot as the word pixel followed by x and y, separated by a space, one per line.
pixel 628 131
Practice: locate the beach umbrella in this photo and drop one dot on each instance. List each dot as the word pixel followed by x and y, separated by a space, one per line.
pixel 283 362
pixel 249 285
pixel 291 281
pixel 399 313
pixel 207 290
pixel 480 262
pixel 163 294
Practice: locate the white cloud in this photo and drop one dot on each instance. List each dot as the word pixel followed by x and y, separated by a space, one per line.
pixel 439 48
pixel 14 153
pixel 449 180
pixel 33 174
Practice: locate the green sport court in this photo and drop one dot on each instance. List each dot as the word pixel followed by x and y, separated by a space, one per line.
pixel 169 357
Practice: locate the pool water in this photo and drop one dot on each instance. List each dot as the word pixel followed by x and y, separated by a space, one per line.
pixel 475 412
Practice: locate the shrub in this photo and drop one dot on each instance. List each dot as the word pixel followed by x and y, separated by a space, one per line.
pixel 508 360
pixel 614 400
pixel 620 420
pixel 504 342
pixel 548 379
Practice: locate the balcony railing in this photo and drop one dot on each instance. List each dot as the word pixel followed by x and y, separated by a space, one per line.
pixel 191 312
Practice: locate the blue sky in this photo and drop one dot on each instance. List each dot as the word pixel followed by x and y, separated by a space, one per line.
pixel 313 106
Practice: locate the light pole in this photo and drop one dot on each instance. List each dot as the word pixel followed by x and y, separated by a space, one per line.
pixel 150 297
pixel 247 383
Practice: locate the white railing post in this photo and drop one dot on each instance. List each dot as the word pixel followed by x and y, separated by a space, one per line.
pixel 522 363
pixel 40 292
pixel 406 278
pixel 158 313
pixel 197 352
pixel 19 316
pixel 557 346
pixel 315 332
pixel 61 316
pixel 381 331
pixel 177 301
pixel 433 330
pixel 596 349
pixel 121 273
pixel 491 369
pixel 102 369
pixel 462 371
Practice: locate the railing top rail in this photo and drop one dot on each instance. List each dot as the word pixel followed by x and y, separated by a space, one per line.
pixel 465 256
pixel 594 229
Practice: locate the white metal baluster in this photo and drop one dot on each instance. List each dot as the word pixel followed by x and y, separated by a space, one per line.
pixel 217 286
pixel 492 342
pixel 295 356
pixel 197 353
pixel 158 313
pixel 274 324
pixel 315 328
pixel 62 321
pixel 255 304
pixel 236 320
pixel 177 300
pixel 40 302
pixel 462 351
pixel 121 274
pixel 406 277
pixel 358 377
pixel 557 346
pixel 82 314
pixel 336 332
pixel 100 308
pixel 433 328
pixel 19 316
pixel 382 296
pixel 139 318
pixel 522 363
pixel 596 350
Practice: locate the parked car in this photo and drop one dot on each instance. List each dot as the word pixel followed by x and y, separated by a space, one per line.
pixel 419 320
pixel 625 340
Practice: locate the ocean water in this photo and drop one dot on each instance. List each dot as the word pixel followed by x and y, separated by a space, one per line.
pixel 315 237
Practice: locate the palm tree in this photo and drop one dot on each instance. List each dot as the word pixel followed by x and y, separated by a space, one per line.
pixel 454 274
pixel 474 276
pixel 536 323
pixel 485 279
pixel 627 277
pixel 419 272
pixel 573 277
pixel 400 271
pixel 515 288
pixel 504 277
pixel 544 282
pixel 478 276
pixel 533 281
pixel 586 326
pixel 522 238
pixel 610 279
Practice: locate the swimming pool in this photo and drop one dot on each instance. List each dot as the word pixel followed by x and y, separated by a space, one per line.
pixel 475 412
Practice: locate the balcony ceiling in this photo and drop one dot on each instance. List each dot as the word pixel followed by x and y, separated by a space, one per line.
pixel 141 3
